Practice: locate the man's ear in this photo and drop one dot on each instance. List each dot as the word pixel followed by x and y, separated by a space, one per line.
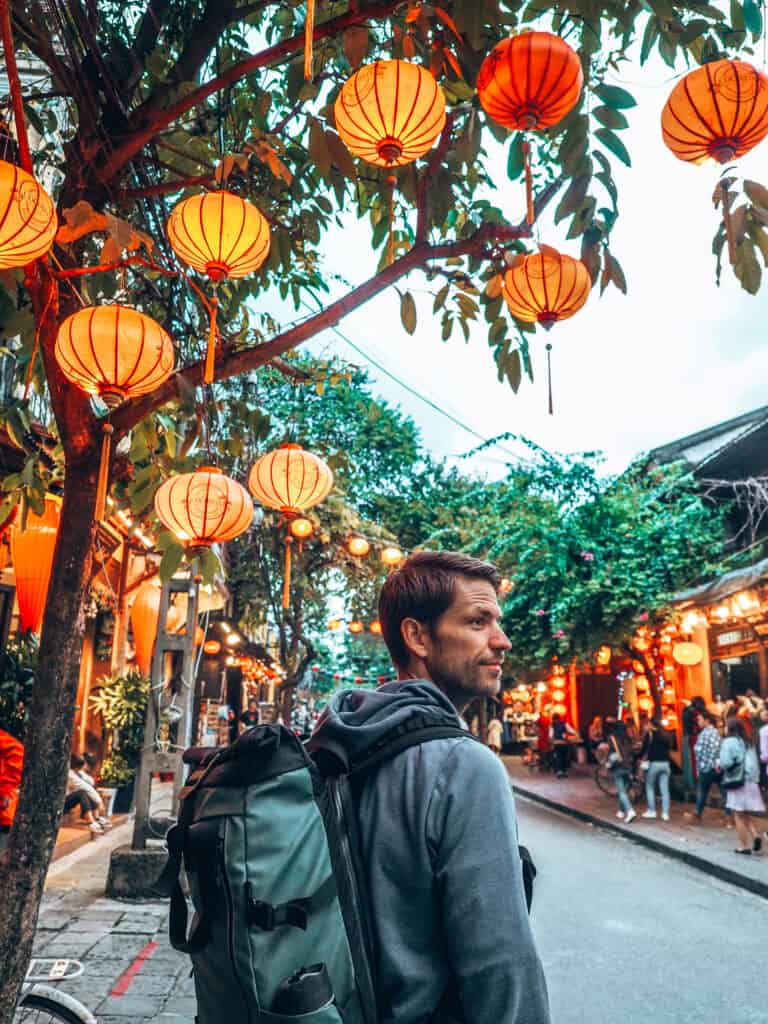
pixel 414 634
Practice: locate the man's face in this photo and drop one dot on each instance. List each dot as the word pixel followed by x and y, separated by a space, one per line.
pixel 464 651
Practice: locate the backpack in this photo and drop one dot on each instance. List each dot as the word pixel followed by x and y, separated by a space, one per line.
pixel 267 836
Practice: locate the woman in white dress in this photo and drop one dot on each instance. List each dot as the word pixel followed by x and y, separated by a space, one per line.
pixel 744 800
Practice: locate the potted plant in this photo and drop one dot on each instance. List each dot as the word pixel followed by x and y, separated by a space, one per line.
pixel 121 700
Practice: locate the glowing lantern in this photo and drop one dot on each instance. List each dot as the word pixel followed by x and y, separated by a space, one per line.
pixel 32 551
pixel 358 546
pixel 645 703
pixel 356 627
pixel 687 653
pixel 145 612
pixel 375 627
pixel 604 655
pixel 334 624
pixel 506 586
pixel 301 528
pixel 391 556
pixel 390 113
pixel 27 218
pixel 641 684
pixel 558 695
pixel 290 480
pixel 221 235
pixel 559 709
pixel 116 353
pixel 358 680
pixel 204 507
pixel 211 647
pixel 530 82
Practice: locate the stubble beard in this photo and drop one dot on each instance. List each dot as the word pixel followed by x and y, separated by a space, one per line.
pixel 463 686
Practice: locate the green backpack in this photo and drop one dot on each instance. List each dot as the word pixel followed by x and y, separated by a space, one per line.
pixel 267 836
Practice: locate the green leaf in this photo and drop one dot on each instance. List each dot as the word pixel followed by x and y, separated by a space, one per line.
pixel 514 370
pixel 616 97
pixel 613 143
pixel 650 36
pixel 753 18
pixel 171 561
pixel 515 159
pixel 610 118
pixel 340 155
pixel 318 148
pixel 572 198
pixel 757 193
pixel 747 267
pixel 408 312
pixel 440 298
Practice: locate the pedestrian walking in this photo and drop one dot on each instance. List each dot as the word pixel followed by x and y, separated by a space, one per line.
pixel 654 756
pixel 493 735
pixel 763 747
pixel 11 763
pixel 619 765
pixel 560 734
pixel 707 751
pixel 594 738
pixel 741 773
pixel 437 821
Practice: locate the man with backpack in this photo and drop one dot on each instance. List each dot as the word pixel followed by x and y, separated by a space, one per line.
pixel 438 830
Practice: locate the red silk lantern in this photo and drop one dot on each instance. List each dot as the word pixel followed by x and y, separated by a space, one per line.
pixel 204 507
pixel 32 551
pixel 211 647
pixel 27 218
pixel 221 235
pixel 528 83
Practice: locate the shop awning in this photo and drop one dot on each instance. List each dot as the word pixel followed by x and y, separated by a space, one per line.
pixel 724 586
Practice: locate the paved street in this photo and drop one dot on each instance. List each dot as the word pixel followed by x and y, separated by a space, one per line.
pixel 629 935
pixel 625 934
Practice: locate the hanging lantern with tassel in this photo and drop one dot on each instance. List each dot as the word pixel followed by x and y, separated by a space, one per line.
pixel 220 235
pixel 32 551
pixel 544 288
pixel 27 218
pixel 290 480
pixel 389 114
pixel 717 112
pixel 203 508
pixel 116 353
pixel 528 83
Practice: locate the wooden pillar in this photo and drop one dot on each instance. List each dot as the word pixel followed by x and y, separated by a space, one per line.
pixel 120 639
pixel 84 687
pixel 762 664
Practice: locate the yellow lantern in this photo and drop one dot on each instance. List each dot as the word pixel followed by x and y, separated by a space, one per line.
pixel 391 556
pixel 558 695
pixel 687 653
pixel 375 627
pixel 204 507
pixel 27 218
pixel 358 546
pixel 645 703
pixel 221 235
pixel 301 528
pixel 334 624
pixel 356 627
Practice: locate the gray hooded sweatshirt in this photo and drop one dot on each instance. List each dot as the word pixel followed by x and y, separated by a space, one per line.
pixel 439 849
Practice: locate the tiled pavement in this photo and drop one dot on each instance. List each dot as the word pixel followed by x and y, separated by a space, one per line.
pixel 707 845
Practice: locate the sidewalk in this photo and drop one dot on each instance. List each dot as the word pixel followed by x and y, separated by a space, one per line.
pixel 707 846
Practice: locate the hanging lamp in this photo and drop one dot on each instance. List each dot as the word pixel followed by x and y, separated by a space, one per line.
pixel 546 287
pixel 27 218
pixel 717 112
pixel 32 551
pixel 390 113
pixel 203 508
pixel 528 83
pixel 220 235
pixel 290 480
pixel 116 353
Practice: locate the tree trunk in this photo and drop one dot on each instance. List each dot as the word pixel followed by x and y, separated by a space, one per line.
pixel 49 734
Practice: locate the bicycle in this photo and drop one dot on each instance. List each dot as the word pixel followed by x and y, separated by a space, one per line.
pixel 42 1004
pixel 606 781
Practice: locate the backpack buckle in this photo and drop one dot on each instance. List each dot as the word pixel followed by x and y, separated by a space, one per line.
pixel 262 915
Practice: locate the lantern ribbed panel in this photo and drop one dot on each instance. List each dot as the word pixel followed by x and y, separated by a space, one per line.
pixel 717 111
pixel 290 479
pixel 114 350
pixel 204 507
pixel 546 287
pixel 530 81
pixel 390 112
pixel 32 553
pixel 27 218
pixel 219 234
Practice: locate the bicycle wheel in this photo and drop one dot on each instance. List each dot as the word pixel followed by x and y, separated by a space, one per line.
pixel 605 780
pixel 51 1007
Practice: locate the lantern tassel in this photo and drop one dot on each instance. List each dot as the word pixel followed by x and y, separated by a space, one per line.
pixel 287 576
pixel 530 214
pixel 728 224
pixel 392 182
pixel 309 35
pixel 103 479
pixel 549 378
pixel 210 356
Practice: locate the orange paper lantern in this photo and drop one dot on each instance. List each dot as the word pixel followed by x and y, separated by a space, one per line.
pixel 358 546
pixel 687 653
pixel 718 111
pixel 375 627
pixel 290 479
pixel 558 695
pixel 32 551
pixel 356 627
pixel 390 113
pixel 211 647
pixel 114 352
pixel 145 612
pixel 301 528
pixel 219 234
pixel 204 507
pixel 546 287
pixel 530 81
pixel 559 709
pixel 391 556
pixel 27 218
pixel 645 703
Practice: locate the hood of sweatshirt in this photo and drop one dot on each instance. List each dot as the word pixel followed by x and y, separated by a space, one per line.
pixel 356 719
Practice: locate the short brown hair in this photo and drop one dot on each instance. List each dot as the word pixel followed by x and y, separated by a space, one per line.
pixel 423 588
pixel 735 727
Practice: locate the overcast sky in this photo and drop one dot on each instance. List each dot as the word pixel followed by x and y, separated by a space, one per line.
pixel 675 355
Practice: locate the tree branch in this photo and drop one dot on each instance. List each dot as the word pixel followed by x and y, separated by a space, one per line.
pixel 233 363
pixel 422 198
pixel 150 118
